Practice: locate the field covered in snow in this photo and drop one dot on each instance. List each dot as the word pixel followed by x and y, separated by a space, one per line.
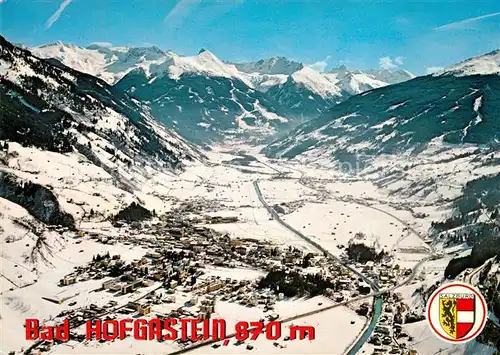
pixel 334 332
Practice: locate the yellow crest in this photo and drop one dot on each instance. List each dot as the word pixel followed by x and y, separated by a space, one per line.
pixel 448 316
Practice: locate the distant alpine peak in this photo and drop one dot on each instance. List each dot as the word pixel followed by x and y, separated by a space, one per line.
pixel 316 82
pixel 340 68
pixel 390 76
pixel 55 44
pixel 273 65
pixel 113 63
pixel 343 70
pixel 485 64
pixel 205 53
pixel 105 62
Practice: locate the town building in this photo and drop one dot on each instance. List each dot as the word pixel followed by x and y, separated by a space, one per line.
pixel 68 280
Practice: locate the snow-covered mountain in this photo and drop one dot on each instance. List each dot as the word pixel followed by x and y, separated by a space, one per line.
pixel 458 108
pixel 199 96
pixel 305 93
pixel 107 63
pixel 433 139
pixel 112 63
pixel 53 107
pixel 274 65
pixel 204 99
pixel 390 76
pixel 276 86
pixel 297 90
pixel 488 63
pixel 398 118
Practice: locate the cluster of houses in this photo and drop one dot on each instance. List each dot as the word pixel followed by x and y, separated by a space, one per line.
pixel 386 273
pixel 180 249
pixel 389 337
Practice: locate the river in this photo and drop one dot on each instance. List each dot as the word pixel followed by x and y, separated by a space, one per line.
pixel 377 311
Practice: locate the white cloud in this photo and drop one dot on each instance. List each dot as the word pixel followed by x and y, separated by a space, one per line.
pixel 320 65
pixel 180 11
pixel 55 15
pixel 390 63
pixel 2 1
pixel 460 24
pixel 101 44
pixel 387 63
pixel 431 70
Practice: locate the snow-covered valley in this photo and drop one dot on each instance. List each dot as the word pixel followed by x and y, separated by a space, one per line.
pixel 330 216
pixel 110 210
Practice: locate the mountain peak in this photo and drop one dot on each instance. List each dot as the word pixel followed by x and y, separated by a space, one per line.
pixel 342 69
pixel 206 53
pixel 273 65
pixel 57 44
pixel 316 82
pixel 390 76
pixel 206 57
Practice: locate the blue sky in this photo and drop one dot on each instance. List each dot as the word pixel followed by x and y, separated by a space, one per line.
pixel 414 35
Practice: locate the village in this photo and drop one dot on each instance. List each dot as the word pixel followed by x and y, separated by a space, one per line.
pixel 173 271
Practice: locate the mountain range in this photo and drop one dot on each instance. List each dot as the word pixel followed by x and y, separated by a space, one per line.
pixel 214 99
pixel 460 106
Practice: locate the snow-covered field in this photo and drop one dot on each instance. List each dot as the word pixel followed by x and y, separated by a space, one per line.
pixel 334 332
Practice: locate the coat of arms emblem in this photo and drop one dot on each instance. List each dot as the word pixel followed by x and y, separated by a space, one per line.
pixel 456 312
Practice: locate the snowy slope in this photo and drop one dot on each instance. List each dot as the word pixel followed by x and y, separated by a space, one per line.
pixel 390 76
pixel 274 65
pixel 107 63
pixel 205 63
pixel 204 108
pixel 485 64
pixel 316 82
pixel 306 93
pixel 356 81
pixel 399 118
pixel 263 82
pixel 113 63
pixel 63 110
